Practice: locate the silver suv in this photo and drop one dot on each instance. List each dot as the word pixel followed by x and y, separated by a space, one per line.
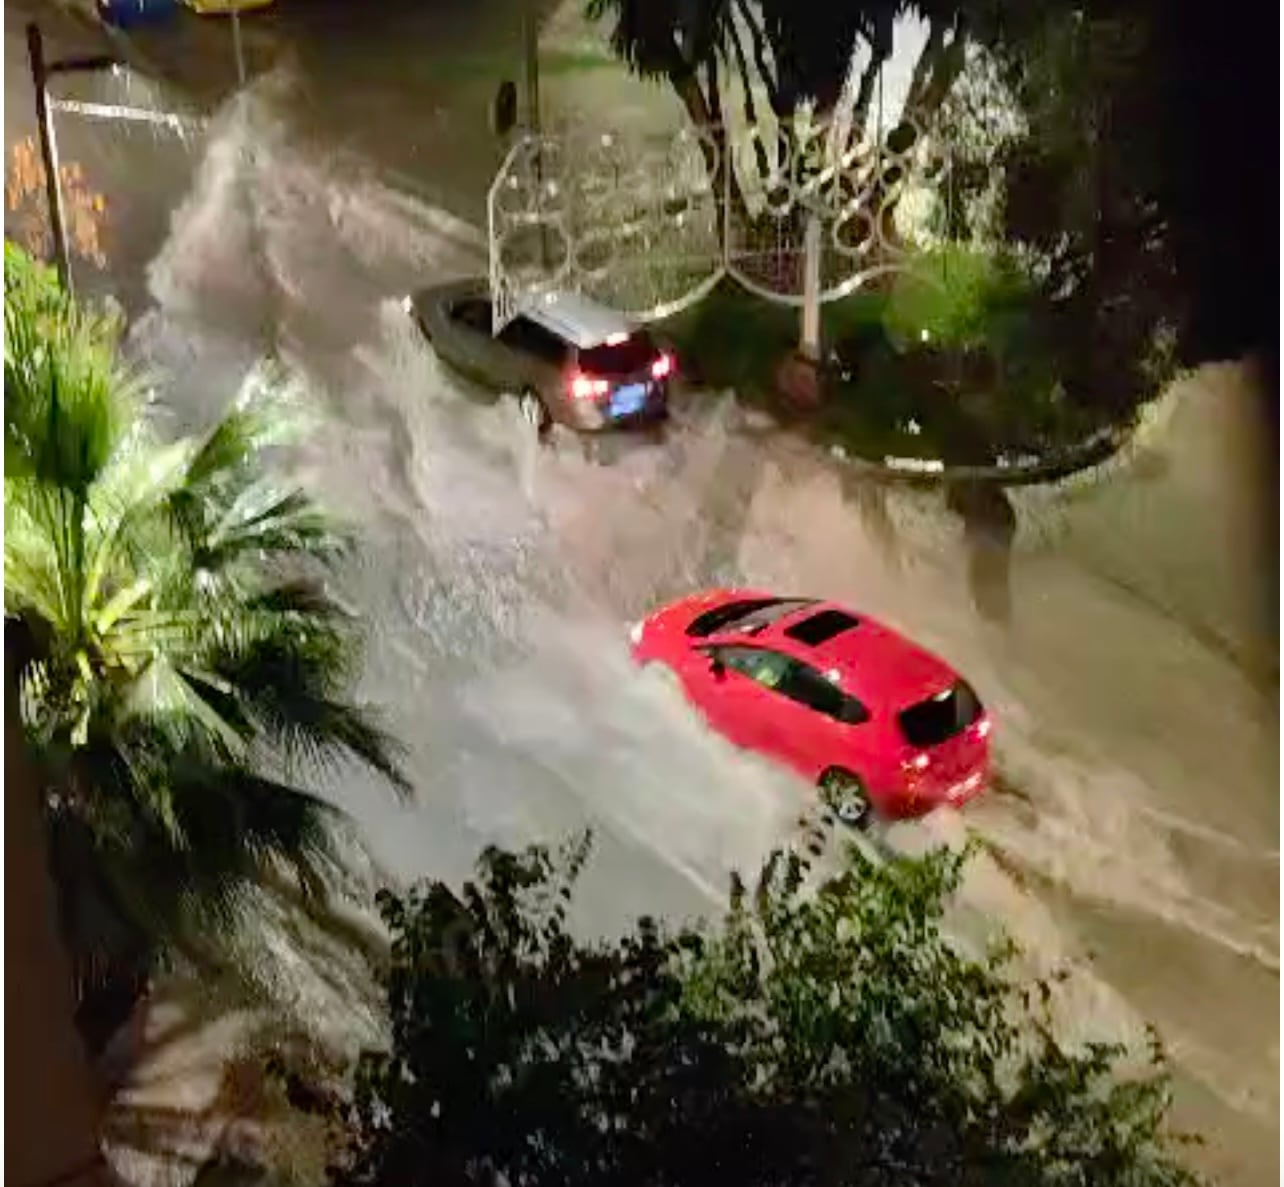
pixel 567 358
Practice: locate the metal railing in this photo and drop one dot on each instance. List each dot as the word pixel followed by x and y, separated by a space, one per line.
pixel 651 224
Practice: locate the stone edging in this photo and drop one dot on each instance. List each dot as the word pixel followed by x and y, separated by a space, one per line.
pixel 1025 469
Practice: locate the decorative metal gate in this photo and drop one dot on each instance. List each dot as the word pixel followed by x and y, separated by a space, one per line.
pixel 651 224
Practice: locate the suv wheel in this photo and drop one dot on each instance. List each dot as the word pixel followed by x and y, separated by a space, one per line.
pixel 534 412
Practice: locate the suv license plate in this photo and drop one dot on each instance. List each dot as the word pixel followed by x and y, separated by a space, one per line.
pixel 627 400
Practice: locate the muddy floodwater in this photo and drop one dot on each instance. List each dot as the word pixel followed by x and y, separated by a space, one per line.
pixel 1119 625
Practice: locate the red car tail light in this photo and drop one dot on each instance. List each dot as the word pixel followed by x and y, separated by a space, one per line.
pixel 662 366
pixel 585 387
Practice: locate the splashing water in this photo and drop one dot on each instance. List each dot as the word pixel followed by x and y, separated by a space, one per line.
pixel 1131 834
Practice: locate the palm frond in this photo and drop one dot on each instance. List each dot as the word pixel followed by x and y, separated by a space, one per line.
pixel 68 396
pixel 301 598
pixel 127 505
pixel 265 520
pixel 287 681
pixel 230 508
pixel 267 413
pixel 185 667
pixel 32 575
pixel 162 695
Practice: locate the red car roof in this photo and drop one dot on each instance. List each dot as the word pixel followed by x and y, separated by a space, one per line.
pixel 878 665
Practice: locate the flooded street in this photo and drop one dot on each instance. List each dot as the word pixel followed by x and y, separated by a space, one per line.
pixel 1134 833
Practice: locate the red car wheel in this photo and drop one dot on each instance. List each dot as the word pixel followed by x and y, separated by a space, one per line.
pixel 844 794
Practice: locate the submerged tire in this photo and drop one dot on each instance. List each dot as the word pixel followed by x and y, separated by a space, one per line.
pixel 534 412
pixel 844 794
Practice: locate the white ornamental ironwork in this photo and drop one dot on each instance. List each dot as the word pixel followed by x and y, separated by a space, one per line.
pixel 651 224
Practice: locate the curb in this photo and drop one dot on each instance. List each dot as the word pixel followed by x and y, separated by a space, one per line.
pixel 1024 470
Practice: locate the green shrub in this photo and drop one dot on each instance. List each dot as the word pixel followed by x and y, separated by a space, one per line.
pixel 825 1030
pixel 959 296
pixel 735 339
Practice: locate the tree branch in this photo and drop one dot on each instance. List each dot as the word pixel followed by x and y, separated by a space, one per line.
pixel 750 108
pixel 865 91
pixel 684 82
pixel 714 98
pixel 926 61
pixel 945 69
pixel 759 42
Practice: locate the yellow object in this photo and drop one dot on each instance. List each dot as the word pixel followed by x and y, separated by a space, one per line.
pixel 223 7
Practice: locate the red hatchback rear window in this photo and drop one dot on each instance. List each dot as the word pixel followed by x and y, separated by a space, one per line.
pixel 939 718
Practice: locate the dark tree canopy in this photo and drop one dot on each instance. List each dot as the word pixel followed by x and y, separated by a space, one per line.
pixel 787 52
pixel 816 1036
pixel 1138 173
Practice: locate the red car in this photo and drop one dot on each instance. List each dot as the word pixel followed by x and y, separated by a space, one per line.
pixel 872 719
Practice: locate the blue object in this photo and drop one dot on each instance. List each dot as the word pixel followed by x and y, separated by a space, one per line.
pixel 128 14
pixel 625 401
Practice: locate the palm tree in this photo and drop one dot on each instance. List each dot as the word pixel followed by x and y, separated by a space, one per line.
pixel 786 52
pixel 182 665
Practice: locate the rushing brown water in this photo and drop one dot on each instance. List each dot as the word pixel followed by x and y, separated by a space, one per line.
pixel 1130 660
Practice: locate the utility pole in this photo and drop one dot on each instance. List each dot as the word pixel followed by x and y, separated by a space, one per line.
pixel 49 154
pixel 236 47
pixel 530 45
pixel 810 344
pixel 41 72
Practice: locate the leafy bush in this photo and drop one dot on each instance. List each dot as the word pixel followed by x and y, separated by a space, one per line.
pixel 818 1035
pixel 734 339
pixel 28 283
pixel 960 297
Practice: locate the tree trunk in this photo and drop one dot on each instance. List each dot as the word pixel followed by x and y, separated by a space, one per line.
pixel 751 109
pixel 948 68
pixel 936 70
pixel 717 160
pixel 926 60
pixel 865 93
pixel 52 1113
pixel 759 43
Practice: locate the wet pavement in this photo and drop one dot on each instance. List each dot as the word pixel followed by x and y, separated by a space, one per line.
pixel 1118 624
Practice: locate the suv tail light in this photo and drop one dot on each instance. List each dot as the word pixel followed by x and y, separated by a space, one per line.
pixel 585 387
pixel 662 366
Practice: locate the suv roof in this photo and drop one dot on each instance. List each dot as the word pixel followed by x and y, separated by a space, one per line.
pixel 577 319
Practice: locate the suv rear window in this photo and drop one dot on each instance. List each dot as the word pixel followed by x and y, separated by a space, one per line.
pixel 822 627
pixel 528 337
pixel 939 718
pixel 749 615
pixel 636 353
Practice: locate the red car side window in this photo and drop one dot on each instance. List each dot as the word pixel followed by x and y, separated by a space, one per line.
pixel 807 686
pixel 794 679
pixel 768 668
